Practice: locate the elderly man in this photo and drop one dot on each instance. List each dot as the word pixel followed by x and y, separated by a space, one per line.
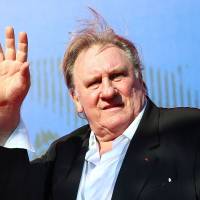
pixel 130 148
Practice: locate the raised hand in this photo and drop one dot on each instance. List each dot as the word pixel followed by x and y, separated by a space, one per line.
pixel 14 80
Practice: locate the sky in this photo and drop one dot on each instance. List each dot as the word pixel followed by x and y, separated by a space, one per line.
pixel 165 32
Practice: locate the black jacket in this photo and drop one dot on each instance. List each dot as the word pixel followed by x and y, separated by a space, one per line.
pixel 162 162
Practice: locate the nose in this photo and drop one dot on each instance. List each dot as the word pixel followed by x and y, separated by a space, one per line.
pixel 108 91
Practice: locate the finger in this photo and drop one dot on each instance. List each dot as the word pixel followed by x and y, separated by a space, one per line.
pixel 24 69
pixel 22 52
pixel 1 54
pixel 25 73
pixel 10 53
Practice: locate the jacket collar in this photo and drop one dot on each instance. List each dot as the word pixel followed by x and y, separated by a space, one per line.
pixel 140 157
pixel 136 167
pixel 68 166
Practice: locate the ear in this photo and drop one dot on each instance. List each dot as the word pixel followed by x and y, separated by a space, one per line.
pixel 75 98
pixel 143 84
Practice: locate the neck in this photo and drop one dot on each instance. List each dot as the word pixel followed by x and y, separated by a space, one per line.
pixel 104 147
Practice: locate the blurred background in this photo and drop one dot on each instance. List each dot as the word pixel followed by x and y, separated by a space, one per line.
pixel 166 33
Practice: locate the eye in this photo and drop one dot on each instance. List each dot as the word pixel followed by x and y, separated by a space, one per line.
pixel 117 76
pixel 94 84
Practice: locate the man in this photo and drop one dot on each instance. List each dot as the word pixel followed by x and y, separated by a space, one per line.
pixel 130 148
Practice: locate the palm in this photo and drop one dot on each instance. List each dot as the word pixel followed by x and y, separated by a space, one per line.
pixel 14 72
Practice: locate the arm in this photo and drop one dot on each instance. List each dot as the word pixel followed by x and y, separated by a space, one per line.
pixel 19 179
pixel 19 138
pixel 14 81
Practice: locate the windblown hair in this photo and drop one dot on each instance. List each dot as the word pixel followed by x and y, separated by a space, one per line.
pixel 97 32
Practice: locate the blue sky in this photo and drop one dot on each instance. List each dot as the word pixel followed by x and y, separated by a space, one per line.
pixel 167 33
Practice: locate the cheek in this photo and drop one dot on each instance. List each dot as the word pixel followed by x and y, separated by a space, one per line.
pixel 89 99
pixel 126 88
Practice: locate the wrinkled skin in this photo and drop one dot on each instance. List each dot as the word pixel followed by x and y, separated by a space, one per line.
pixel 107 90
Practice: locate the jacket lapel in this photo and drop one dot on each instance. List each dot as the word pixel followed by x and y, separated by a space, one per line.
pixel 140 157
pixel 135 170
pixel 68 168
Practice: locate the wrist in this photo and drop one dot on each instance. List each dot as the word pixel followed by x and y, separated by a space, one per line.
pixel 9 119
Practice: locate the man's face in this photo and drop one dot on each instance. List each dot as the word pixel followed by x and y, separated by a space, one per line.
pixel 106 90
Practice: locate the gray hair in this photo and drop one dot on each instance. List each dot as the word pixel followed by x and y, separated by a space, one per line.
pixel 97 32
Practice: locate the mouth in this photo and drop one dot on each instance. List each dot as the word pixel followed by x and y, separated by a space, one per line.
pixel 113 106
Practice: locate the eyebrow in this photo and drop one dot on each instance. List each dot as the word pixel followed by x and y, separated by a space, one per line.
pixel 116 70
pixel 119 69
pixel 92 79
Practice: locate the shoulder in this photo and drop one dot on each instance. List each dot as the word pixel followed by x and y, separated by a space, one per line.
pixel 180 124
pixel 173 117
pixel 68 143
pixel 180 115
pixel 80 133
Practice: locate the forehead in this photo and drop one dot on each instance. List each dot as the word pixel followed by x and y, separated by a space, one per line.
pixel 101 58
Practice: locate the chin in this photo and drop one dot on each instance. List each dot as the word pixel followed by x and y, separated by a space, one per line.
pixel 117 124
